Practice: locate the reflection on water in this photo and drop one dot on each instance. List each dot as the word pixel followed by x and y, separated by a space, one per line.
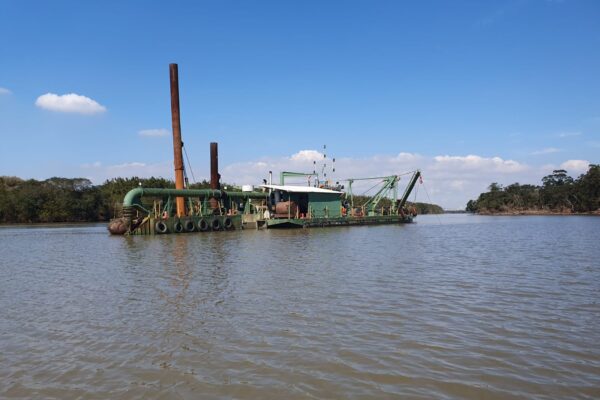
pixel 472 307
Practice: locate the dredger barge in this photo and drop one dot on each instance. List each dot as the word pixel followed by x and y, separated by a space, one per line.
pixel 149 211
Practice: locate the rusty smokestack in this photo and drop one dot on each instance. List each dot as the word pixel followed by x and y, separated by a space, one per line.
pixel 215 177
pixel 177 143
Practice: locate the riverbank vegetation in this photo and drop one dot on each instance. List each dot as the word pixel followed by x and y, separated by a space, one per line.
pixel 68 200
pixel 426 208
pixel 78 200
pixel 559 193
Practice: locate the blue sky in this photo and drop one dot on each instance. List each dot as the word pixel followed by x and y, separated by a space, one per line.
pixel 471 92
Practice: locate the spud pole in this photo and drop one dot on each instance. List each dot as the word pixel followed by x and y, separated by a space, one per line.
pixel 177 143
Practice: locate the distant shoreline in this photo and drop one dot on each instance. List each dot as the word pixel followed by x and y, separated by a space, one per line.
pixel 536 212
pixel 53 224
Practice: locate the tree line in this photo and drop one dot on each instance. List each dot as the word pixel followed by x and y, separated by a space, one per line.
pixel 69 200
pixel 558 193
pixel 78 200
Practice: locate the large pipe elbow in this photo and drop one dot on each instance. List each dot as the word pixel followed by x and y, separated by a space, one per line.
pixel 133 197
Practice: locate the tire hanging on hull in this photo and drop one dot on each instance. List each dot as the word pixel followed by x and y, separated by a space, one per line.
pixel 161 227
pixel 178 227
pixel 202 225
pixel 188 225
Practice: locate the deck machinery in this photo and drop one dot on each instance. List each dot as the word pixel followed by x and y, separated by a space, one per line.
pixel 148 211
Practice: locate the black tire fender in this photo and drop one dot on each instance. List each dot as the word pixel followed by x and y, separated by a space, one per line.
pixel 161 227
pixel 202 225
pixel 188 225
pixel 178 227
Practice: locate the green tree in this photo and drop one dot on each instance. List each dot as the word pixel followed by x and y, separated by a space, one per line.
pixel 587 190
pixel 472 206
pixel 559 192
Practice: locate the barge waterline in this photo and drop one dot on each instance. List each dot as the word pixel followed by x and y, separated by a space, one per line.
pixel 154 226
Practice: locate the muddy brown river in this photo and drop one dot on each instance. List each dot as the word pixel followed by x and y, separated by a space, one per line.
pixel 451 307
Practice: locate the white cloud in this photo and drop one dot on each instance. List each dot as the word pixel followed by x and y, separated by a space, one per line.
pixel 307 155
pixel 69 103
pixel 547 150
pixel 97 172
pixel 450 180
pixel 568 134
pixel 575 166
pixel 4 91
pixel 478 163
pixel 406 157
pixel 154 132
pixel 458 184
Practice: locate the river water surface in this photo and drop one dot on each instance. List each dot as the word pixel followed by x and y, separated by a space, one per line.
pixel 459 306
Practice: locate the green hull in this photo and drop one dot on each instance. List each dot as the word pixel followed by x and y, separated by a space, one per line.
pixel 342 221
pixel 213 223
pixel 278 208
pixel 149 225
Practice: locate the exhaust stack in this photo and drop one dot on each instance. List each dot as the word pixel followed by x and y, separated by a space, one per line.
pixel 177 143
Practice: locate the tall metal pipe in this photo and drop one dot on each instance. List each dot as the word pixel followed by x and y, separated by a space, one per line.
pixel 177 142
pixel 215 177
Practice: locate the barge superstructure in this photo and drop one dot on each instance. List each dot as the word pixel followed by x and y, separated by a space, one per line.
pixel 149 211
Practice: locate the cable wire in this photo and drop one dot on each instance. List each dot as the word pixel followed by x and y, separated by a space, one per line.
pixel 371 188
pixel 189 165
pixel 429 200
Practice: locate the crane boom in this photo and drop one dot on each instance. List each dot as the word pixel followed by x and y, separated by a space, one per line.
pixel 409 188
pixel 389 183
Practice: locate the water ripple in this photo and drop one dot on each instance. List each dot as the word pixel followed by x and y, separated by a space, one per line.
pixel 477 307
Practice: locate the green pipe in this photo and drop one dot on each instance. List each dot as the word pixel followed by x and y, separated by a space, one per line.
pixel 247 195
pixel 132 198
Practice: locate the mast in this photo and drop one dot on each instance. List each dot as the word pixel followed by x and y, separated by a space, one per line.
pixel 177 143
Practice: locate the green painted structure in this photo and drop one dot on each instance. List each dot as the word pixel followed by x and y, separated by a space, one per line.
pixel 149 211
pixel 324 205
